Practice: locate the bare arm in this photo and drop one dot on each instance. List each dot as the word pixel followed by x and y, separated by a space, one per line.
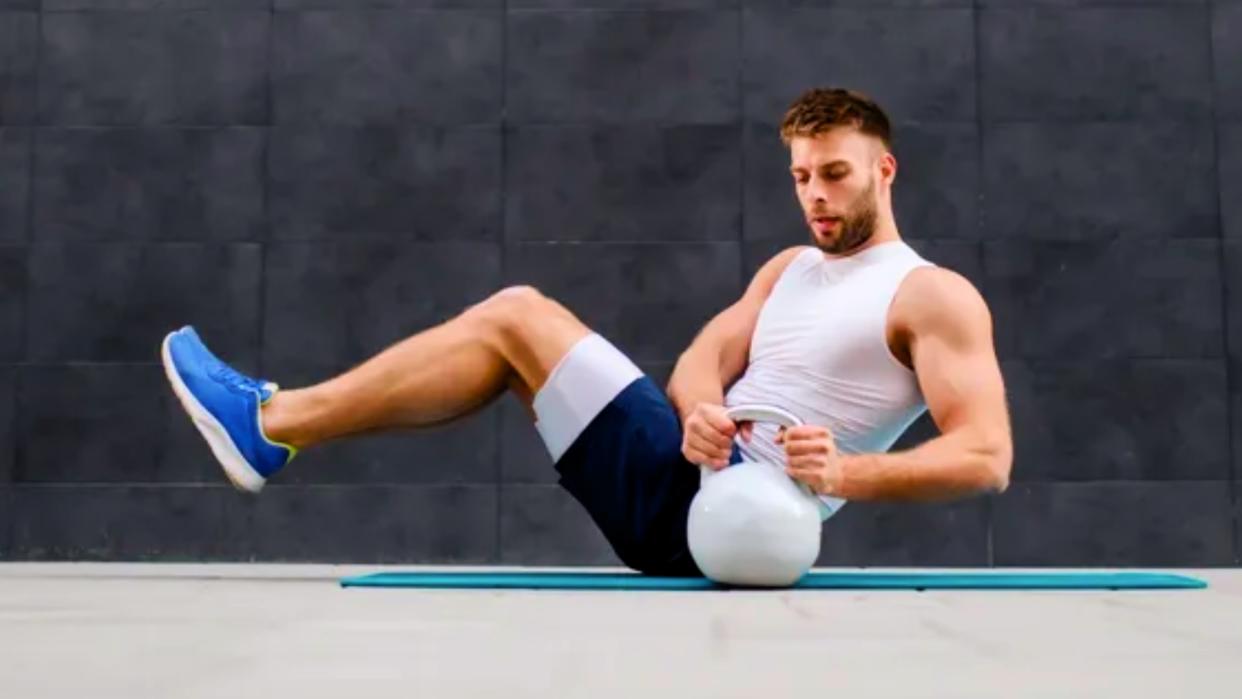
pixel 719 353
pixel 953 356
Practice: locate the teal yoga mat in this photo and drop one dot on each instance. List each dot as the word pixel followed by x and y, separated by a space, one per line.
pixel 532 580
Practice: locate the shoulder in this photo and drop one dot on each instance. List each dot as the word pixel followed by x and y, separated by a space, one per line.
pixel 784 257
pixel 942 301
pixel 767 275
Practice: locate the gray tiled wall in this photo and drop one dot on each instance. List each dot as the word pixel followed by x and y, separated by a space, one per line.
pixel 308 181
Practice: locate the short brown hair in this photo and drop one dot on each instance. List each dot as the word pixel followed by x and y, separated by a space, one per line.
pixel 821 109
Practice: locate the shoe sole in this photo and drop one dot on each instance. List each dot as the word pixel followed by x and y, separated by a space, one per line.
pixel 239 472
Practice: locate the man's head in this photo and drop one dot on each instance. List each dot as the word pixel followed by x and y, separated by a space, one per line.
pixel 840 157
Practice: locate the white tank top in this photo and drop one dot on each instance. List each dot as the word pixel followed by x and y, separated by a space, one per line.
pixel 820 350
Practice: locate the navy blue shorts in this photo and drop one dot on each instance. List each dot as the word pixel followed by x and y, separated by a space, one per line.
pixel 627 470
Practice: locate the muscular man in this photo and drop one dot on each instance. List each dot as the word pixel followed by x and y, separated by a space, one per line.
pixel 856 334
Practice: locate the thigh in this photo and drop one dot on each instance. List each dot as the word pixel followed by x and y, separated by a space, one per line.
pixel 533 333
pixel 627 470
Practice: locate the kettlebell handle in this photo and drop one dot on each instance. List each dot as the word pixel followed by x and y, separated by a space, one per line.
pixel 756 412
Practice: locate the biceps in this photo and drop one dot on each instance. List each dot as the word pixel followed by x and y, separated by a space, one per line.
pixel 963 387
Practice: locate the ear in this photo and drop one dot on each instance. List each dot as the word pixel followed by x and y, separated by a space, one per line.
pixel 888 166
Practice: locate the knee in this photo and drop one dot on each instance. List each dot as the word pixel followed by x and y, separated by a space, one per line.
pixel 508 310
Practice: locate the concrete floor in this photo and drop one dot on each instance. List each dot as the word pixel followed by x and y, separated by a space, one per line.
pixel 125 630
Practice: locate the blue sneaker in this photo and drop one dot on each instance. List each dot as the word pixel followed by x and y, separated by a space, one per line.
pixel 224 405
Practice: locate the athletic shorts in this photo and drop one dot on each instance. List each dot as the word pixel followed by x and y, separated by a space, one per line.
pixel 616 442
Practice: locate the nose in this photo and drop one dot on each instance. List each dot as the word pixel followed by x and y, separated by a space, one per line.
pixel 817 190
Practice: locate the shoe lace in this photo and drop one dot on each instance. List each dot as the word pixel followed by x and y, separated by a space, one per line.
pixel 234 381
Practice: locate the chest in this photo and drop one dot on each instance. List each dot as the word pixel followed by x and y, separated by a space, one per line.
pixel 832 325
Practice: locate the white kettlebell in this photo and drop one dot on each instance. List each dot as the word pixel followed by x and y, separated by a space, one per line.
pixel 751 524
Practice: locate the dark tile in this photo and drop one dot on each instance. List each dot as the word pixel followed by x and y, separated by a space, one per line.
pixel 118 522
pixel 367 66
pixel 623 183
pixel 20 5
pixel 19 36
pixel 159 184
pixel 7 500
pixel 1074 63
pixel 330 305
pixel 648 300
pixel 112 5
pixel 1233 306
pixel 1235 398
pixel 379 524
pixel 963 257
pixel 1227 47
pixel 907 534
pixel 1156 419
pixel 1230 159
pixel 1233 297
pixel 935 194
pixel 1237 523
pixel 622 4
pixel 1088 3
pixel 404 4
pixel 921 430
pixel 1105 299
pixel 116 301
pixel 15 174
pixel 174 67
pixel 8 418
pixel 864 3
pixel 407 183
pixel 545 525
pixel 1181 524
pixel 1059 181
pixel 883 52
pixel 622 66
pixel 465 451
pixel 524 459
pixel 13 285
pixel 87 423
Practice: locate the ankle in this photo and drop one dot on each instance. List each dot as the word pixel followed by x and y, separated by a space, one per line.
pixel 277 419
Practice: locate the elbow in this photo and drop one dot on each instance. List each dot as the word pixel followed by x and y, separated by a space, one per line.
pixel 999 466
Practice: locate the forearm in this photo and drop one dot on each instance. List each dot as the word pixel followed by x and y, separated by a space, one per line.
pixel 947 467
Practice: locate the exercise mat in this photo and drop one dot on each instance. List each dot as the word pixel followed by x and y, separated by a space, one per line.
pixel 815 580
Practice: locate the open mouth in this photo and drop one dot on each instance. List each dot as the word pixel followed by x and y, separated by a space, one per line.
pixel 825 223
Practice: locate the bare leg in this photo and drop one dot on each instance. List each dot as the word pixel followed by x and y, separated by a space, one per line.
pixel 512 340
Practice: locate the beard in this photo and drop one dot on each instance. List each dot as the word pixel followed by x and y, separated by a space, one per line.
pixel 856 227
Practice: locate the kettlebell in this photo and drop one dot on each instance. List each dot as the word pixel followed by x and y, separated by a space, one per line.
pixel 750 524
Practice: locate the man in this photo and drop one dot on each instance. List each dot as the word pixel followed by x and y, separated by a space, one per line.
pixel 856 334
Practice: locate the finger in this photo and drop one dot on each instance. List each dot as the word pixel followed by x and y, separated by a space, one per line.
pixel 746 429
pixel 803 463
pixel 698 458
pixel 709 436
pixel 720 422
pixel 800 475
pixel 802 432
pixel 817 447
pixel 710 451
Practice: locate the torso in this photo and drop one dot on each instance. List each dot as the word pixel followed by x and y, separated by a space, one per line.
pixel 832 344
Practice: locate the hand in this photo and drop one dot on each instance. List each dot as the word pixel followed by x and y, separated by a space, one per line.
pixel 813 458
pixel 708 436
